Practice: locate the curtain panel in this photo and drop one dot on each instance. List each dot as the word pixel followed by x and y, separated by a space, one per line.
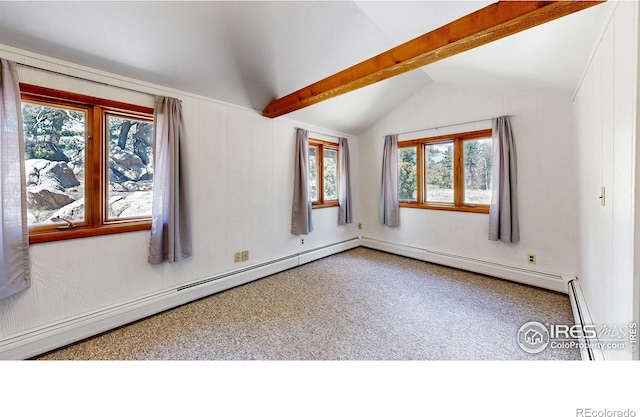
pixel 301 218
pixel 171 224
pixel 344 183
pixel 504 224
pixel 389 203
pixel 15 268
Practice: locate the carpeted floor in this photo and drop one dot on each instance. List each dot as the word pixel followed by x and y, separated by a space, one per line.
pixel 357 305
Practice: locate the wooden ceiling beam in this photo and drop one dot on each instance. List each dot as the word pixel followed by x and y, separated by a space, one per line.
pixel 486 25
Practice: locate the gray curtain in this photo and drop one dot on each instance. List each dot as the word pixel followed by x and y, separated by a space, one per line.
pixel 344 179
pixel 503 214
pixel 389 204
pixel 301 221
pixel 15 266
pixel 171 225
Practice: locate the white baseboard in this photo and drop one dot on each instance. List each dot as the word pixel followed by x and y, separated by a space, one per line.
pixel 535 278
pixel 583 318
pixel 46 338
pixel 315 254
pixel 52 336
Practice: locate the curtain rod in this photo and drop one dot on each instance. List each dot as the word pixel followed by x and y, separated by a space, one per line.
pixel 83 79
pixel 319 133
pixel 451 125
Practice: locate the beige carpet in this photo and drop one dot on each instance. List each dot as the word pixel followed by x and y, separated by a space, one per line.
pixel 357 305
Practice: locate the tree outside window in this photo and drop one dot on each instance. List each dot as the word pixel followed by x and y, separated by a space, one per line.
pixel 450 172
pixel 88 162
pixel 323 173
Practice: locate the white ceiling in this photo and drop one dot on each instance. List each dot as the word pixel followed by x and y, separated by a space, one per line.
pixel 248 53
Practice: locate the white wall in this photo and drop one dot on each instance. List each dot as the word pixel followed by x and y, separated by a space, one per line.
pixel 605 126
pixel 241 165
pixel 543 131
pixel 240 174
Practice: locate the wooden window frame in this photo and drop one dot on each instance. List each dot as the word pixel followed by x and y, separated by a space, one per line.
pixel 96 164
pixel 458 140
pixel 322 145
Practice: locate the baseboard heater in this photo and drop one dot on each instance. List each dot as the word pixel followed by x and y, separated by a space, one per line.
pixel 55 335
pixel 550 281
pixel 583 319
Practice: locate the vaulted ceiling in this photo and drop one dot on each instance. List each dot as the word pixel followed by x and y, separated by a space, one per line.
pixel 248 53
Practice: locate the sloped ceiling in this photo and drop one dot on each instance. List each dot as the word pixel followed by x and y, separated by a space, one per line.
pixel 248 53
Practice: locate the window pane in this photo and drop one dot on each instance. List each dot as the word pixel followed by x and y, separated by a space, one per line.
pixel 477 171
pixel 408 174
pixel 313 173
pixel 439 173
pixel 54 162
pixel 130 168
pixel 330 167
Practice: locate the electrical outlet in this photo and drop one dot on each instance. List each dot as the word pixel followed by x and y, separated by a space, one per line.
pixel 237 257
pixel 245 255
pixel 301 242
pixel 531 258
pixel 360 226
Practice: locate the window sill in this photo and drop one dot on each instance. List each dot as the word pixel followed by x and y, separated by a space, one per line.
pixel 325 205
pixel 481 209
pixel 52 235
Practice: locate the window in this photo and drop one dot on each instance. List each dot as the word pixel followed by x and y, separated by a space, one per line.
pixel 323 173
pixel 450 172
pixel 88 162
